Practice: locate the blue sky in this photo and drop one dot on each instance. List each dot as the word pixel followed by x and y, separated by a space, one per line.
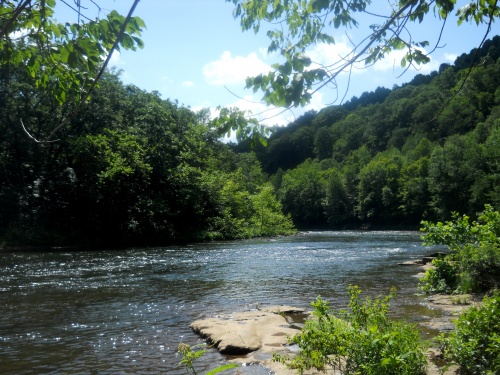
pixel 193 48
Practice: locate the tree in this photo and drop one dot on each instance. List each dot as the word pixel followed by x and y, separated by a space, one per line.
pixel 378 188
pixel 65 59
pixel 267 218
pixel 302 193
pixel 297 25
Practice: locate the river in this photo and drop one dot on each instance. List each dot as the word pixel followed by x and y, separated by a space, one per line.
pixel 125 311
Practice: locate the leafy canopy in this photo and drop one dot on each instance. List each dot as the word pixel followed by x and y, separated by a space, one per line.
pixel 64 59
pixel 296 25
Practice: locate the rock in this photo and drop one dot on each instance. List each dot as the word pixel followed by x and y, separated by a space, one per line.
pixel 241 333
pixel 426 260
pixel 437 254
pixel 416 262
pixel 252 337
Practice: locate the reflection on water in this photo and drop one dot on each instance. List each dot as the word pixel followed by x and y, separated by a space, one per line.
pixel 110 312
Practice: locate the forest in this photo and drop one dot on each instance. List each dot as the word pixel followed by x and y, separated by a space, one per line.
pixel 133 168
pixel 394 157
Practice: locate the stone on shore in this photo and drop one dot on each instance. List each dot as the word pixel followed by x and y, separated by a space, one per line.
pixel 241 333
pixel 252 337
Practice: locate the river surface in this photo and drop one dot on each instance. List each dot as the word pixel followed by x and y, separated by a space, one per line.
pixel 126 311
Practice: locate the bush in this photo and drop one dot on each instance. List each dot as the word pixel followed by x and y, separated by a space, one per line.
pixel 480 266
pixel 363 341
pixel 475 342
pixel 474 264
pixel 443 278
pixel 190 354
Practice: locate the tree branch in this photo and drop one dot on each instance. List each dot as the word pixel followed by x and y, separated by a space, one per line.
pixel 365 48
pixel 16 14
pixel 98 77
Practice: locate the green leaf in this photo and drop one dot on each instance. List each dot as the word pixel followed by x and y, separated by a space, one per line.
pixel 222 368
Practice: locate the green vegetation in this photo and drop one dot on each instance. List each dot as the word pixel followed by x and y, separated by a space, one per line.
pixel 362 341
pixel 131 168
pixel 126 166
pixel 474 262
pixel 475 342
pixel 473 265
pixel 293 26
pixel 189 356
pixel 62 59
pixel 392 158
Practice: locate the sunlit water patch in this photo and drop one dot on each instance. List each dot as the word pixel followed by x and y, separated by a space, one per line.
pixel 109 312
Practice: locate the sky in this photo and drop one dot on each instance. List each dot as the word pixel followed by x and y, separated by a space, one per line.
pixel 196 53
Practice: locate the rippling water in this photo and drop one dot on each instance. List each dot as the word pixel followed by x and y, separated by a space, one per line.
pixel 125 312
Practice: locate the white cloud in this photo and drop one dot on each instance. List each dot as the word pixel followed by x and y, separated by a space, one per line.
pixel 316 102
pixel 275 116
pixel 450 57
pixel 334 55
pixel 229 69
pixel 18 34
pixel 115 60
pixel 330 55
pixel 166 79
pixel 391 61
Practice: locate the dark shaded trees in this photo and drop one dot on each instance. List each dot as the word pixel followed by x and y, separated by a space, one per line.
pixel 131 169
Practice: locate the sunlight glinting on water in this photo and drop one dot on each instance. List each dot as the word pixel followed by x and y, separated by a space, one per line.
pixel 111 312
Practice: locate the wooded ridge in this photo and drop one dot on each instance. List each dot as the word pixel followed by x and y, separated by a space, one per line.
pixel 395 157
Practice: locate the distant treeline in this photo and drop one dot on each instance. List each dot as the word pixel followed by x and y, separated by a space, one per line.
pixel 392 158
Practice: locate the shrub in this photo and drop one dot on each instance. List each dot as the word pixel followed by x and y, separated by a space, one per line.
pixel 189 356
pixel 443 278
pixel 480 266
pixel 474 264
pixel 362 341
pixel 475 342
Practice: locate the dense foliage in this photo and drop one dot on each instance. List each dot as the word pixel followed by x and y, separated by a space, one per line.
pixel 475 342
pixel 131 168
pixel 362 341
pixel 395 157
pixel 65 59
pixel 473 264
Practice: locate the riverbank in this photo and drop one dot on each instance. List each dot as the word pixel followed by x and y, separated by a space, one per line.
pixel 253 337
pixel 128 310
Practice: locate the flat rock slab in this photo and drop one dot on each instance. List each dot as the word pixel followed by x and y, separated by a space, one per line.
pixel 265 330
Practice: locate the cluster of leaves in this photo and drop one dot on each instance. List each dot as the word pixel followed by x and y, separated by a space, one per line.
pixel 474 262
pixel 475 342
pixel 443 278
pixel 190 354
pixel 305 23
pixel 385 159
pixel 362 341
pixel 62 58
pixel 132 168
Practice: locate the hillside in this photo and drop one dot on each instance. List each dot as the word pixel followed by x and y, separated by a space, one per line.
pixel 395 157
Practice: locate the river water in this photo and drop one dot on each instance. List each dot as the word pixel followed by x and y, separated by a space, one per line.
pixel 126 311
